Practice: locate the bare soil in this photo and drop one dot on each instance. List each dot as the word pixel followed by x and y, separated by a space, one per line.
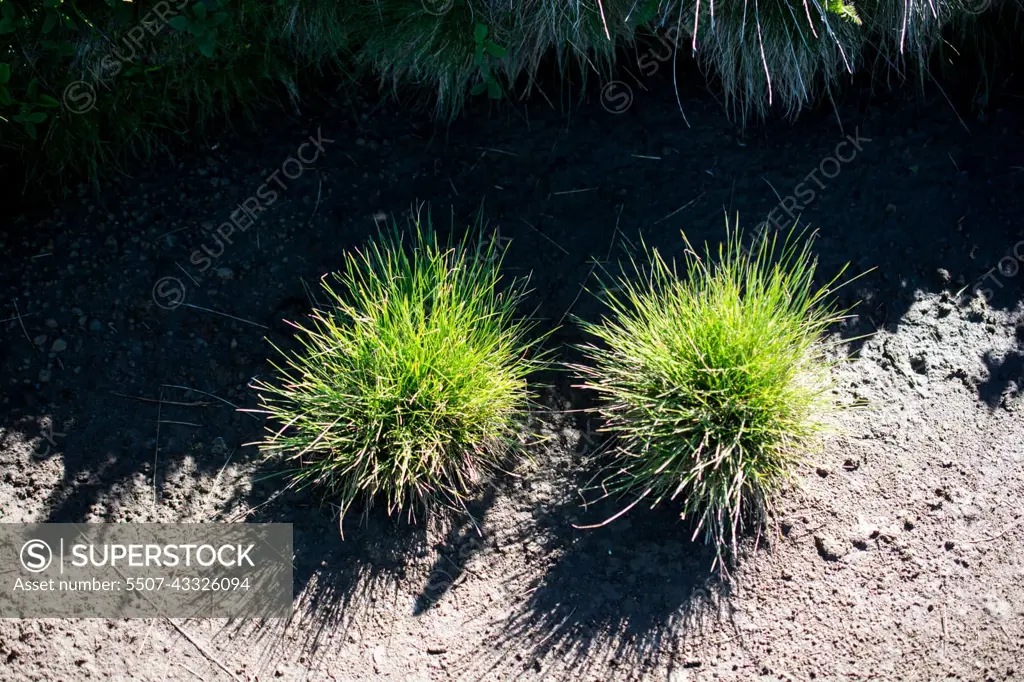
pixel 899 556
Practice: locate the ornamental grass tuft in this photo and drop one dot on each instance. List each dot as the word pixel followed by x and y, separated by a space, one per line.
pixel 411 382
pixel 714 383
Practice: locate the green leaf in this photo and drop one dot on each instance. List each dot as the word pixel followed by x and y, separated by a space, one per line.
pixel 495 50
pixel 7 9
pixel 49 22
pixel 5 73
pixel 34 117
pixel 5 97
pixel 493 89
pixel 200 11
pixel 218 18
pixel 478 89
pixel 31 130
pixel 207 45
pixel 51 4
pixel 33 89
pixel 47 101
pixel 178 23
pixel 479 33
pixel 6 26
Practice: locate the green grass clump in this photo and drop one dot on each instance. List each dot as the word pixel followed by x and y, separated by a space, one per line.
pixel 714 383
pixel 411 383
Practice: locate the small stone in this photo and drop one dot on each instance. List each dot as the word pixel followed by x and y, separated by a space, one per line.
pixel 44 376
pixel 864 533
pixel 39 340
pixel 856 557
pixel 219 447
pixel 51 323
pixel 919 363
pixel 822 471
pixel 944 275
pixel 971 513
pixel 95 326
pixel 59 346
pixel 829 548
pixel 225 273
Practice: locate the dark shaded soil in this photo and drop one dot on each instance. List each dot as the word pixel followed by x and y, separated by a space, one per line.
pixel 901 552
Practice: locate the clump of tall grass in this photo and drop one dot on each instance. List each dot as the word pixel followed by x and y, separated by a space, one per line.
pixel 714 382
pixel 137 81
pixel 411 382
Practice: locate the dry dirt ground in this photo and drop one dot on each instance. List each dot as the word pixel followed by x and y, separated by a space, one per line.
pixel 899 556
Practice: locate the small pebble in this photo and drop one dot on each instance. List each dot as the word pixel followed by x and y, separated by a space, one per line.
pixel 829 548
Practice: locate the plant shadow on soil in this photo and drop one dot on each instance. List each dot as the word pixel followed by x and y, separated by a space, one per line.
pixel 339 579
pixel 609 594
pixel 605 600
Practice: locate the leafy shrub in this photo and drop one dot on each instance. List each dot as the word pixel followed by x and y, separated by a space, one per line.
pixel 411 382
pixel 714 383
pixel 86 85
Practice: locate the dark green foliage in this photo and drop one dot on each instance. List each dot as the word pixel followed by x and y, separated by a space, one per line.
pixel 86 84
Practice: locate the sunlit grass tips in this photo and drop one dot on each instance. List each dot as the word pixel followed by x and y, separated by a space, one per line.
pixel 411 382
pixel 714 382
